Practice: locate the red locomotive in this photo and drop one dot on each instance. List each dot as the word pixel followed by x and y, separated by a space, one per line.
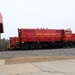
pixel 45 38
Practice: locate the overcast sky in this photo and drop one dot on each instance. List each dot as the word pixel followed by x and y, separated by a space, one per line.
pixel 52 14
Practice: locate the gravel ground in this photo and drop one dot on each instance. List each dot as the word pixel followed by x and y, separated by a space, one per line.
pixel 45 52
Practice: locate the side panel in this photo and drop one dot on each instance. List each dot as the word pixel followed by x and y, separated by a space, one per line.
pixel 26 35
pixel 39 35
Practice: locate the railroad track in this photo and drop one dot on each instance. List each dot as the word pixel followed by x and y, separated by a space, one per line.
pixel 45 52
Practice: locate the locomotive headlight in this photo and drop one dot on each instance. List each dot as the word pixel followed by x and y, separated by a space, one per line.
pixel 22 41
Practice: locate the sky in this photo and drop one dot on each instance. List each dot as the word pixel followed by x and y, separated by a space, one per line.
pixel 51 14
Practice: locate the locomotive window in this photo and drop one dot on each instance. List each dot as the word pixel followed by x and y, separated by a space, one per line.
pixel 68 32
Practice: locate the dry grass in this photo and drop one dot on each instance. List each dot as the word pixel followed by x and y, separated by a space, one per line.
pixel 18 60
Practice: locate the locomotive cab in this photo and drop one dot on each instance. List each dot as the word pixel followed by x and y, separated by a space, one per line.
pixel 68 38
pixel 68 32
pixel 68 35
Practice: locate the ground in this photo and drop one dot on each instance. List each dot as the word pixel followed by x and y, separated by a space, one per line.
pixel 28 59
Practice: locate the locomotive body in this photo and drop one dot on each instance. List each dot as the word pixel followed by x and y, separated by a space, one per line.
pixel 44 38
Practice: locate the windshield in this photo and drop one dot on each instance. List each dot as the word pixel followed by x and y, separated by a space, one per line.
pixel 68 32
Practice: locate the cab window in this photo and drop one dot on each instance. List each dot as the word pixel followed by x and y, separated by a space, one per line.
pixel 68 32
